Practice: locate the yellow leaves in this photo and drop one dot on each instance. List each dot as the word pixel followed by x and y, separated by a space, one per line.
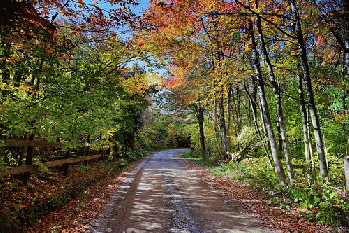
pixel 248 46
pixel 3 86
pixel 136 85
pixel 210 5
pixel 24 88
pixel 21 90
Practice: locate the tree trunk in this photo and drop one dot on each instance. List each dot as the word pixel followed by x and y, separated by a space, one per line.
pixel 215 123
pixel 65 166
pixel 234 110
pixel 230 90
pixel 200 116
pixel 264 106
pixel 346 172
pixel 344 107
pixel 222 126
pixel 238 109
pixel 310 95
pixel 280 116
pixel 28 160
pixel 307 142
pixel 252 100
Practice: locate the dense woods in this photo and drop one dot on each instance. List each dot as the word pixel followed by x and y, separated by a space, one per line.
pixel 278 69
pixel 65 78
pixel 264 81
pixel 256 83
pixel 67 94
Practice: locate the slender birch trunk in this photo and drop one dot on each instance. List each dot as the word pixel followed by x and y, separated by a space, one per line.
pixel 346 172
pixel 264 106
pixel 280 116
pixel 229 107
pixel 236 131
pixel 310 94
pixel 252 100
pixel 307 143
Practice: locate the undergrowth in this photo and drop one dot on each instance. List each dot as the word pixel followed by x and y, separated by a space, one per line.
pixel 315 201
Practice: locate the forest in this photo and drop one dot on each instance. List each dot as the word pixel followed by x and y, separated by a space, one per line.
pixel 257 88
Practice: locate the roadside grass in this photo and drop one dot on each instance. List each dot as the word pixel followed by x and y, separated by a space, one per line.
pixel 313 200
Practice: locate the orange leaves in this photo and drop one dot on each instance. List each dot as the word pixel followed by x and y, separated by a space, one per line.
pixel 340 117
pixel 330 55
pixel 176 79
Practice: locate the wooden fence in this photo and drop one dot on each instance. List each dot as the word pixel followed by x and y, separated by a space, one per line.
pixel 56 163
pixel 42 144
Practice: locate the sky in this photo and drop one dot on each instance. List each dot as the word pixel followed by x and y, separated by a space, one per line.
pixel 144 4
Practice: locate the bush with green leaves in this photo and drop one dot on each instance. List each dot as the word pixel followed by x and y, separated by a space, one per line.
pixel 246 143
pixel 321 197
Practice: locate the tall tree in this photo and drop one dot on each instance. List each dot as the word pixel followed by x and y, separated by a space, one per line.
pixel 275 85
pixel 264 105
pixel 309 88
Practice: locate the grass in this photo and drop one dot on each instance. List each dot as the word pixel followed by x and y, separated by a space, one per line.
pixel 322 202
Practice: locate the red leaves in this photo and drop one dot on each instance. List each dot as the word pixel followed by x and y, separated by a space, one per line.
pixel 319 39
pixel 80 213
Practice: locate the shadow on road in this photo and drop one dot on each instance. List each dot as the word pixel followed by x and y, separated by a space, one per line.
pixel 163 195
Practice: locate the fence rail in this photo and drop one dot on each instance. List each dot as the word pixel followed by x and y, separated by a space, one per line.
pixel 35 143
pixel 56 163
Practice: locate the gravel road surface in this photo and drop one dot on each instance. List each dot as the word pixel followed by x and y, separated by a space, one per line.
pixel 162 195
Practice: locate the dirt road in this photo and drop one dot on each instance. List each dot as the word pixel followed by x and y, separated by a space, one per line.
pixel 162 195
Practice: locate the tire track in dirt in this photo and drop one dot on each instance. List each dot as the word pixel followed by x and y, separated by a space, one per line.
pixel 162 195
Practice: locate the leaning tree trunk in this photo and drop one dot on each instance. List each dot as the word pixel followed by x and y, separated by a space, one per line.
pixel 252 100
pixel 280 117
pixel 264 106
pixel 310 95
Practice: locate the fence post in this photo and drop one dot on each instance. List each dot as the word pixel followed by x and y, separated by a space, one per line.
pixel 28 159
pixel 66 165
pixel 87 150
